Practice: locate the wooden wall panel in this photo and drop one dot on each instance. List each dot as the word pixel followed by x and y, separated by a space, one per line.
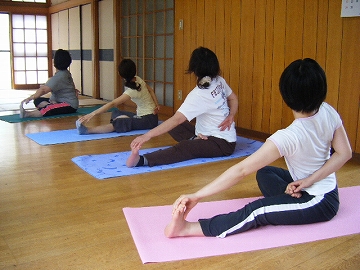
pixel 357 143
pixel 333 52
pixel 246 62
pixel 322 32
pixel 220 32
pixel 233 43
pixel 190 23
pixel 210 28
pixel 199 25
pixel 188 46
pixel 256 40
pixel 349 88
pixel 178 50
pixel 294 29
pixel 225 66
pixel 310 29
pixel 278 63
pixel 269 41
pixel 258 75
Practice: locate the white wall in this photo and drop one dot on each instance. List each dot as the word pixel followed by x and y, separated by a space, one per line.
pixel 86 35
pixel 72 30
pixel 74 45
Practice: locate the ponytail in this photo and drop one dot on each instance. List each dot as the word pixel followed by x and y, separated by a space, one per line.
pixel 204 82
pixel 133 85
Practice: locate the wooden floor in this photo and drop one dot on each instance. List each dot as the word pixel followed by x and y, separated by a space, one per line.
pixel 53 215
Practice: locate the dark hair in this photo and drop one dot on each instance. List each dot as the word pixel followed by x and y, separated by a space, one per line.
pixel 303 85
pixel 127 70
pixel 62 59
pixel 203 62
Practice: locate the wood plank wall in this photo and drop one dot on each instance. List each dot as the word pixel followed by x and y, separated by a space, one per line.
pixel 256 39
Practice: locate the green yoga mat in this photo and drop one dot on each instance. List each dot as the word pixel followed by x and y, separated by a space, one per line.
pixel 15 118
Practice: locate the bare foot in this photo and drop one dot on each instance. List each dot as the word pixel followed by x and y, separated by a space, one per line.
pixel 177 225
pixel 133 158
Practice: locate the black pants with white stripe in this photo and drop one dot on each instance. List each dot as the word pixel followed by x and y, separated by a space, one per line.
pixel 276 208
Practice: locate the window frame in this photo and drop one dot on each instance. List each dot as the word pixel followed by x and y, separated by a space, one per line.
pixel 27 8
pixel 144 36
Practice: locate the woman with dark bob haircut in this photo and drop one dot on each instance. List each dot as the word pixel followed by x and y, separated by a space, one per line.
pixel 303 89
pixel 64 96
pixel 305 193
pixel 212 103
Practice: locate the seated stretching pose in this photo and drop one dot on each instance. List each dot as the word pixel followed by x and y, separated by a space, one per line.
pixel 212 103
pixel 64 96
pixel 307 192
pixel 139 92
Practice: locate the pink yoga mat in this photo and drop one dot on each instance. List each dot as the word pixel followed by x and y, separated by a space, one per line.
pixel 147 228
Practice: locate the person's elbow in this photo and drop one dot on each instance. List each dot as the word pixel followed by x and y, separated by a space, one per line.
pixel 345 154
pixel 233 99
pixel 348 154
pixel 178 118
pixel 44 89
pixel 347 151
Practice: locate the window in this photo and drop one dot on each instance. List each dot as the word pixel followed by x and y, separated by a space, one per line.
pixel 5 67
pixel 147 34
pixel 30 52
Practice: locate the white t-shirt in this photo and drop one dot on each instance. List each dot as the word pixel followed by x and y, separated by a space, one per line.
pixel 144 103
pixel 209 107
pixel 305 145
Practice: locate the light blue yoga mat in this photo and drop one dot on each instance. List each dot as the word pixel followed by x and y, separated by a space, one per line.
pixel 113 165
pixel 72 135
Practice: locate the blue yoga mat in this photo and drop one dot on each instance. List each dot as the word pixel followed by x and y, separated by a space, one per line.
pixel 113 165
pixel 72 135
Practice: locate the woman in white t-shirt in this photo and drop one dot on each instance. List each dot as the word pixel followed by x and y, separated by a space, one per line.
pixel 306 192
pixel 140 93
pixel 212 103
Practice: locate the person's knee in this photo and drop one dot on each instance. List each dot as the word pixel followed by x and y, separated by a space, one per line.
pixel 261 174
pixel 122 116
pixel 122 125
pixel 264 170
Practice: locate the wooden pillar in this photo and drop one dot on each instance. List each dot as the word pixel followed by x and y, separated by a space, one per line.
pixel 95 48
pixel 117 47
